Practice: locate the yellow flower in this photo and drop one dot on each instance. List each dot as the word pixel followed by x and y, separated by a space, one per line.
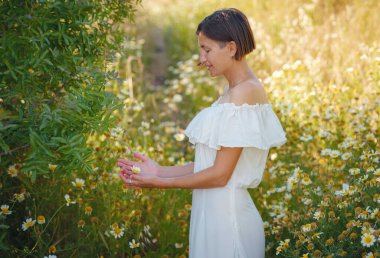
pixel 306 180
pixel 367 240
pixel 88 210
pixel 81 223
pixel 52 249
pixel 52 167
pixel 317 235
pixel 310 246
pixel 5 210
pixel 136 169
pixel 28 224
pixel 124 188
pixel 329 241
pixel 283 246
pixel 353 236
pixel 41 220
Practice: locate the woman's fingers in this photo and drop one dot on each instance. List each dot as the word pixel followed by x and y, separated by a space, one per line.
pixel 123 176
pixel 125 162
pixel 129 181
pixel 139 156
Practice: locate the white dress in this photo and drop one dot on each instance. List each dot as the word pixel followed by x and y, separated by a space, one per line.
pixel 224 221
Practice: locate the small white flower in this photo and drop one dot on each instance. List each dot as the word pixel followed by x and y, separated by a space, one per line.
pixel 78 183
pixel 117 232
pixel 325 152
pixel 68 200
pixel 177 98
pixel 133 244
pixel 306 138
pixel 368 240
pixel 306 180
pixel 178 245
pixel 28 224
pixel 135 169
pixel 318 215
pixel 4 210
pixel 370 137
pixel 13 171
pixel 179 137
pixel 334 154
pixel 307 201
pixel 117 132
pixel 306 228
pixel 346 155
pixel 354 171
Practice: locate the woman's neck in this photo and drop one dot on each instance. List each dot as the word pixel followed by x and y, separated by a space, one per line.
pixel 239 72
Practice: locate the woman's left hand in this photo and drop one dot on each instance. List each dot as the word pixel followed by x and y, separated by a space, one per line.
pixel 140 181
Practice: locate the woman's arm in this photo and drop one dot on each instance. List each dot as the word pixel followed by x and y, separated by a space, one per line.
pixel 149 167
pixel 214 176
pixel 175 171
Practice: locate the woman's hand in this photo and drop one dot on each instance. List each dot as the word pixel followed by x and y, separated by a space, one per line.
pixel 147 167
pixel 141 181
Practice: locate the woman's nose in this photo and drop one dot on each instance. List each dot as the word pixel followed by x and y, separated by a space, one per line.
pixel 202 59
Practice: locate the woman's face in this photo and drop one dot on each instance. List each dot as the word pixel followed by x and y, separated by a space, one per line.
pixel 217 59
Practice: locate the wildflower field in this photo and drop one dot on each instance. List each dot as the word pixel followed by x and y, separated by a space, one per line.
pixel 61 195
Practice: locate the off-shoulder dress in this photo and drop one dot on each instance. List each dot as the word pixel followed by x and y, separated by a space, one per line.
pixel 224 221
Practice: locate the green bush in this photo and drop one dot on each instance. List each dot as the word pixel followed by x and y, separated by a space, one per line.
pixel 54 56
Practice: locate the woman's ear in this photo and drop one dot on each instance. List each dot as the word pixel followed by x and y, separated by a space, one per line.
pixel 232 48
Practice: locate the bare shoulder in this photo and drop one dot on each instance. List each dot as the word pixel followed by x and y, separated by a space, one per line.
pixel 250 92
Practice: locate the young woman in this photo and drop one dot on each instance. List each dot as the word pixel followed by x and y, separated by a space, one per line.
pixel 232 138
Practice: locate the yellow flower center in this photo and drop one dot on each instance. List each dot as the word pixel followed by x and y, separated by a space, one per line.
pixel 368 239
pixel 117 231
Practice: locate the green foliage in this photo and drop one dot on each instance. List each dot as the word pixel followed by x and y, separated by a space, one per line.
pixel 53 74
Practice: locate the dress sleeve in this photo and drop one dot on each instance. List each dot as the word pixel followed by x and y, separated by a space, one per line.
pixel 230 125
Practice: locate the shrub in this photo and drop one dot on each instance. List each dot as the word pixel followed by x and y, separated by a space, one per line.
pixel 52 97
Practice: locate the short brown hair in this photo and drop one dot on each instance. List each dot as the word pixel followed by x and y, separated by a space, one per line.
pixel 226 25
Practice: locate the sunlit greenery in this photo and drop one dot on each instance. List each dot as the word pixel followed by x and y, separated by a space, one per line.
pixel 319 62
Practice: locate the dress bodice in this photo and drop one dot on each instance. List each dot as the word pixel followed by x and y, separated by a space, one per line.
pixel 256 128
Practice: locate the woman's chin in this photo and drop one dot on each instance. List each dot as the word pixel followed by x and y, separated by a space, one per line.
pixel 212 73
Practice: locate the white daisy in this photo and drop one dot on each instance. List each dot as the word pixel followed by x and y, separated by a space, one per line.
pixel 368 240
pixel 28 223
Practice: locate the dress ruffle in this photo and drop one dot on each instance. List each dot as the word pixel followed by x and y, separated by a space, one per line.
pixel 230 125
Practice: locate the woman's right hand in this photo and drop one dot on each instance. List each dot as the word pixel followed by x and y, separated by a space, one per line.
pixel 147 166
